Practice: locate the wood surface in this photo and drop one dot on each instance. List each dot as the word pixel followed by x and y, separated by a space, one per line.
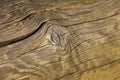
pixel 59 39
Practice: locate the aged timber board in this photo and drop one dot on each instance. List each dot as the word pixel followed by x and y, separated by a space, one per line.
pixel 59 40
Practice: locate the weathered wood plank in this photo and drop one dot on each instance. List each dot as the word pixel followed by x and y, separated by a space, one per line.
pixel 62 40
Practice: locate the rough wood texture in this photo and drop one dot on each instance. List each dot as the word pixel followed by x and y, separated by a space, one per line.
pixel 59 40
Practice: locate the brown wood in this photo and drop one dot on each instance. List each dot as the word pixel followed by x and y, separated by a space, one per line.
pixel 59 40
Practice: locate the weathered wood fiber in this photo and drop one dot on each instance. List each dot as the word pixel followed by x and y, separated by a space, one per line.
pixel 59 40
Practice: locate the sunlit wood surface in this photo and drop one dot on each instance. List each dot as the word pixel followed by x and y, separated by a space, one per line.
pixel 59 39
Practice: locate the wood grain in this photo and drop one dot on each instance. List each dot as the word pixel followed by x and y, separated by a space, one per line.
pixel 59 40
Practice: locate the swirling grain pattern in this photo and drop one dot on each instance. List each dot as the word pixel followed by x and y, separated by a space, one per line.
pixel 59 40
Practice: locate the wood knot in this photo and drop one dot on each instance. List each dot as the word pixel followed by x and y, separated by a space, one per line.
pixel 57 34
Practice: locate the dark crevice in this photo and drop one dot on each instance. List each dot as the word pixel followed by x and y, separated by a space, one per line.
pixel 26 17
pixel 17 20
pixel 15 40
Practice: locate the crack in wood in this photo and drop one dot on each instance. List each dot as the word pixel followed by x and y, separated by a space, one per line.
pixel 6 43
